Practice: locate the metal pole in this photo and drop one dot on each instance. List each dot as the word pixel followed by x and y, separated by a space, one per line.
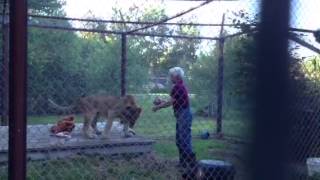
pixel 220 82
pixel 271 127
pixel 170 18
pixel 123 64
pixel 17 86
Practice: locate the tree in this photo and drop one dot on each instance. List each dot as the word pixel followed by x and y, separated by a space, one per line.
pixel 156 54
pixel 66 65
pixel 50 55
pixel 204 78
pixel 182 51
pixel 239 68
pixel 47 7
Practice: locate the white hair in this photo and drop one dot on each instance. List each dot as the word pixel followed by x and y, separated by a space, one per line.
pixel 176 71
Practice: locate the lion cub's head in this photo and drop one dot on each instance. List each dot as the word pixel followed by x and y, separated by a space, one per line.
pixel 131 112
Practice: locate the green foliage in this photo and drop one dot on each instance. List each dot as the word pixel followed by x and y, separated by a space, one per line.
pixel 239 69
pixel 305 79
pixel 49 60
pixel 52 7
pixel 304 86
pixel 159 52
pixel 241 59
pixel 204 78
pixel 66 65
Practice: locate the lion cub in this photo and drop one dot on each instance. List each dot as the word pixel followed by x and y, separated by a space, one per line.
pixel 109 107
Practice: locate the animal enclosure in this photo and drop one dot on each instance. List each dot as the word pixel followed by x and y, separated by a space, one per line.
pixel 130 54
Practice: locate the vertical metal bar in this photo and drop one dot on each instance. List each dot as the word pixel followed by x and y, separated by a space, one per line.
pixel 5 74
pixel 123 64
pixel 272 124
pixel 17 85
pixel 220 81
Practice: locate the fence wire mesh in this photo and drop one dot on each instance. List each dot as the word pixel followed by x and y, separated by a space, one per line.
pixel 74 90
pixel 4 62
pixel 82 69
pixel 304 75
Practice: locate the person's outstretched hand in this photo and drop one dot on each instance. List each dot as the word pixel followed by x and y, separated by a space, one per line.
pixel 155 108
pixel 156 102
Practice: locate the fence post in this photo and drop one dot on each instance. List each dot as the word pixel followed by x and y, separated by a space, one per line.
pixel 271 119
pixel 17 87
pixel 5 73
pixel 123 63
pixel 220 81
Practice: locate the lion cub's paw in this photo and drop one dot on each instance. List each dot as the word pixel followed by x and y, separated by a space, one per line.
pixel 129 134
pixel 98 133
pixel 91 136
pixel 104 136
pixel 131 131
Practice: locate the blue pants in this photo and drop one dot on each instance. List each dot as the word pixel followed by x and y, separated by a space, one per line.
pixel 183 134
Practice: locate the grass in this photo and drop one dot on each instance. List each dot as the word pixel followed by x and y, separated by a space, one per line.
pixel 167 148
pixel 157 165
pixel 100 168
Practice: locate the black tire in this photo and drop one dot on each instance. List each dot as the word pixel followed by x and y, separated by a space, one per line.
pixel 216 170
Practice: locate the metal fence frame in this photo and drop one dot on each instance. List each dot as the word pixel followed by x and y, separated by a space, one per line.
pixel 271 107
pixel 17 89
pixel 135 32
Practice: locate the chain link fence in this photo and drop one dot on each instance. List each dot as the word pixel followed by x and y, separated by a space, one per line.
pixel 74 93
pixel 4 64
pixel 304 134
pixel 67 67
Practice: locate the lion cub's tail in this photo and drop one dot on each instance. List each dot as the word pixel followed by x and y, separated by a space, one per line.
pixel 62 109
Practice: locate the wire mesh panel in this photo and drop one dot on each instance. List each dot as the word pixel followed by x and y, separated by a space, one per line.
pixel 4 79
pixel 303 144
pixel 177 80
pixel 75 81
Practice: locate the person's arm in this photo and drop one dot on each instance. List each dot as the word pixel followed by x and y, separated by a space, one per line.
pixel 164 104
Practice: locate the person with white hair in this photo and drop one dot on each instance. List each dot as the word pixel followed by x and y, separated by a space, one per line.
pixel 181 107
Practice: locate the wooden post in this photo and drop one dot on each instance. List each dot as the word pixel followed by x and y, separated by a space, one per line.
pixel 272 116
pixel 18 90
pixel 123 64
pixel 5 74
pixel 220 82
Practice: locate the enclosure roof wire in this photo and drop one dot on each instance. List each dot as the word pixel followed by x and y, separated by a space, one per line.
pixel 120 32
pixel 126 22
pixel 172 17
